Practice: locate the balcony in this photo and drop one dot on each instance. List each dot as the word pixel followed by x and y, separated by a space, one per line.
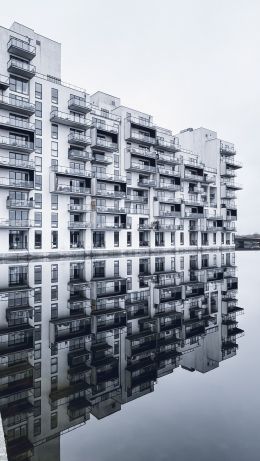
pixel 139 210
pixel 145 182
pixel 4 82
pixel 79 104
pixel 81 155
pixel 24 125
pixel 110 209
pixel 189 176
pixel 167 186
pixel 232 185
pixel 16 144
pixel 8 183
pixel 227 149
pixel 110 177
pixel 110 193
pixel 67 171
pixel 167 158
pixel 144 139
pixel 70 120
pixel 168 199
pixel 103 159
pixel 79 225
pixel 67 328
pixel 71 190
pixel 138 151
pixel 16 203
pixel 192 215
pixel 168 171
pixel 78 208
pixel 79 139
pixel 23 69
pixel 167 227
pixel 143 122
pixel 103 144
pixel 15 224
pixel 21 48
pixel 18 164
pixel 135 166
pixel 106 127
pixel 171 146
pixel 17 104
pixel 109 226
pixel 141 342
pixel 169 213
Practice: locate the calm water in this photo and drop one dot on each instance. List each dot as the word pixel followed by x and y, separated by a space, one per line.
pixel 197 394
pixel 196 416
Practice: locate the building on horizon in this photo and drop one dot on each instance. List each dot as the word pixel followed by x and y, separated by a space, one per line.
pixel 81 173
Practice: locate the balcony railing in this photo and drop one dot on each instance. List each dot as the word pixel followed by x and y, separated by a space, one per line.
pixel 16 223
pixel 77 154
pixel 146 182
pixel 192 176
pixel 172 146
pixel 16 183
pixel 140 210
pixel 142 167
pixel 227 149
pixel 79 139
pixel 21 48
pixel 18 104
pixel 109 177
pixel 78 208
pixel 140 121
pixel 141 152
pixel 16 203
pixel 67 171
pixel 79 104
pixel 168 172
pixel 142 138
pixel 11 162
pixel 109 128
pixel 167 186
pixel 16 123
pixel 106 145
pixel 110 209
pixel 21 68
pixel 70 120
pixel 110 193
pixel 73 190
pixel 4 82
pixel 78 225
pixel 17 144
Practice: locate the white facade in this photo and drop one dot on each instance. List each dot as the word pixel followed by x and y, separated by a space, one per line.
pixel 82 174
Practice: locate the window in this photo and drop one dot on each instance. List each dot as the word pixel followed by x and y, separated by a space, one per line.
pixel 37 314
pixel 54 365
pixel 38 127
pixel 172 238
pixel 54 239
pixel 54 96
pixel 99 269
pixel 129 267
pixel 159 239
pixel 99 239
pixel 54 220
pixel 38 109
pixel 37 354
pixel 38 90
pixel 37 370
pixel 37 332
pixel 37 387
pixel 38 145
pixel 129 239
pixel 37 407
pixel 54 149
pixel 222 238
pixel 37 274
pixel 182 263
pixel 38 240
pixel 38 182
pixel 19 85
pixel 54 202
pixel 54 131
pixel 54 311
pixel 38 218
pixel 38 200
pixel 182 238
pixel 37 295
pixel 37 427
pixel 116 268
pixel 54 420
pixel 214 238
pixel 54 273
pixel 38 164
pixel 129 284
pixel 116 239
pixel 54 292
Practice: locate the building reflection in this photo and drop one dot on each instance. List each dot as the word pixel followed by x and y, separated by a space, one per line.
pixel 83 337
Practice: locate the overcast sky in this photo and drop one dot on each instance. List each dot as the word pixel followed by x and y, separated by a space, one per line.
pixel 189 63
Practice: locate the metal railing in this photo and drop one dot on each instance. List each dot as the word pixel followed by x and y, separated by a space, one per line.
pixel 16 123
pixel 17 143
pixel 21 65
pixel 79 138
pixel 21 44
pixel 81 120
pixel 17 102
pixel 12 162
pixel 71 171
pixel 19 183
pixel 106 144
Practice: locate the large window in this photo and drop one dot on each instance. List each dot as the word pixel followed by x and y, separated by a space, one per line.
pixel 19 85
pixel 99 239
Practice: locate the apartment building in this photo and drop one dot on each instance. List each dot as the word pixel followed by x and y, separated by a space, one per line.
pixel 81 173
pixel 83 337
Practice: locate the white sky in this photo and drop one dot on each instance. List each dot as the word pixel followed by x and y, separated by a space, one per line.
pixel 189 63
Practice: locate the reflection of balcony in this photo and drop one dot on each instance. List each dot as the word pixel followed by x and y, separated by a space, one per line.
pixel 9 183
pixel 20 105
pixel 105 145
pixel 21 48
pixel 64 395
pixel 21 68
pixel 79 139
pixel 141 342
pixel 18 448
pixel 79 104
pixel 16 144
pixel 65 118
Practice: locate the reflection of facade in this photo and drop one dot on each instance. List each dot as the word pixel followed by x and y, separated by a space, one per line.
pixel 83 337
pixel 81 172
